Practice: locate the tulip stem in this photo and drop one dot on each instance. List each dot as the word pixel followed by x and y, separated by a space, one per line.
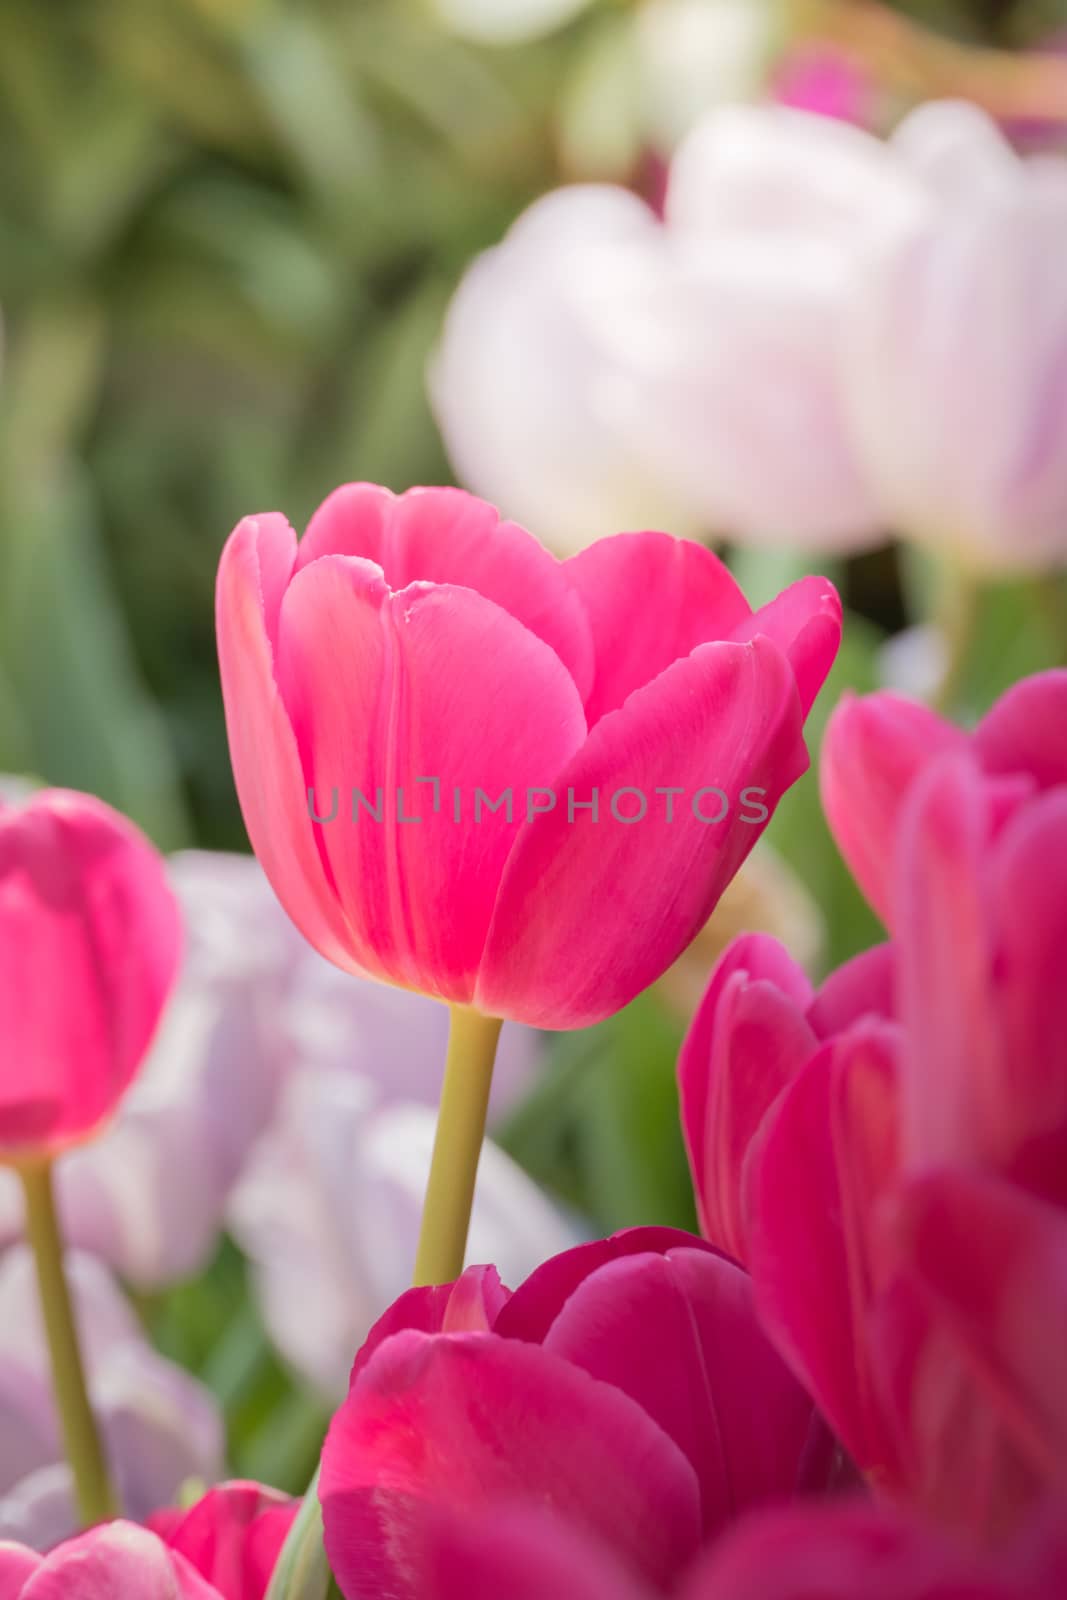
pixel 959 620
pixel 446 1211
pixel 92 1487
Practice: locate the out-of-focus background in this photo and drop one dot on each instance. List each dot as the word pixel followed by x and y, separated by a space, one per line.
pixel 229 230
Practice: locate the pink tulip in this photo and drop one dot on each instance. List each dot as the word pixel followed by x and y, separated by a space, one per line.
pixel 759 1023
pixel 859 1179
pixel 231 1537
pixel 89 942
pixel 115 1559
pixel 417 638
pixel 625 1387
pixel 876 745
pixel 223 1548
pixel 256 1021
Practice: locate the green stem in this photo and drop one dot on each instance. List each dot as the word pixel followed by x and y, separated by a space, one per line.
pixel 92 1488
pixel 446 1211
pixel 958 624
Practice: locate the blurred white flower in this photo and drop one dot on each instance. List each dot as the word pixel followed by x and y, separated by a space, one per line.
pixel 526 382
pixel 957 352
pixel 505 21
pixel 697 55
pixel 602 370
pixel 254 1002
pixel 159 1425
pixel 328 1213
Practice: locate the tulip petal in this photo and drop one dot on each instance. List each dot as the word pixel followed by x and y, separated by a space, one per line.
pixel 90 939
pixel 539 1299
pixel 872 751
pixel 523 1555
pixel 255 568
pixel 117 1558
pixel 470 1305
pixel 804 621
pixel 467 1422
pixel 232 1537
pixel 1027 1096
pixel 696 601
pixel 726 716
pixel 862 987
pixel 1004 1305
pixel 448 536
pixel 839 1553
pixel 1025 731
pixel 945 963
pixel 826 1150
pixel 747 1040
pixel 433 683
pixel 678 1333
pixel 16 1565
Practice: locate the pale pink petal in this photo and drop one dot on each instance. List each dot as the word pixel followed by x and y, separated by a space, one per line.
pixel 433 683
pixel 696 601
pixel 446 536
pixel 591 911
pixel 872 750
pixel 746 1042
pixel 466 1422
pixel 256 566
pixel 116 1559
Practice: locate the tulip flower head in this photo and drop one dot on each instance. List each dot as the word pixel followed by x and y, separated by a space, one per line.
pixel 625 1387
pixel 851 1146
pixel 89 948
pixel 506 781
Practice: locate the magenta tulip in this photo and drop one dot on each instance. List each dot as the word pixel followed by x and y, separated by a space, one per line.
pixel 625 1387
pixel 89 945
pixel 759 1023
pixel 231 1537
pixel 876 746
pixel 415 662
pixel 854 1146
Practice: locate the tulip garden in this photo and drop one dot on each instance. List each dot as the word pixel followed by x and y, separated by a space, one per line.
pixel 533 800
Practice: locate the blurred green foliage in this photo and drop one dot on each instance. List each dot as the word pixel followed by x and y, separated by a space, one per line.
pixel 228 229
